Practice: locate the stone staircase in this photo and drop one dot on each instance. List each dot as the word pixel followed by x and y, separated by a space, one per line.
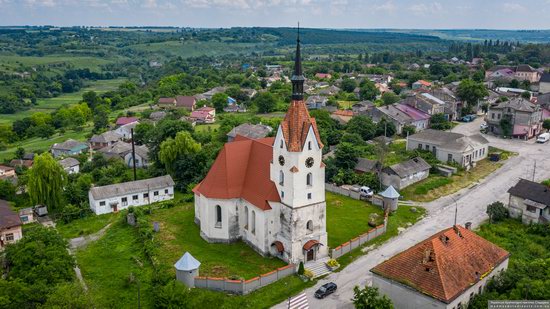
pixel 318 268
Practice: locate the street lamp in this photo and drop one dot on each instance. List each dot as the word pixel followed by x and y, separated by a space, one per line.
pixel 456 208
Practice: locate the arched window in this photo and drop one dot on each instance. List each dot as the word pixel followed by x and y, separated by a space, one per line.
pixel 309 180
pixel 245 217
pixel 218 216
pixel 281 178
pixel 309 145
pixel 253 223
pixel 309 226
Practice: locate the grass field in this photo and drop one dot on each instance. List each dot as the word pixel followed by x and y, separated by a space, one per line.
pixel 78 62
pixel 50 104
pixel 195 48
pixel 436 186
pixel 84 226
pixel 37 144
pixel 348 218
pixel 206 127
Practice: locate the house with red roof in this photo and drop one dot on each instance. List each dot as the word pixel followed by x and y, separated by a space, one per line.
pixel 421 84
pixel 270 192
pixel 444 271
pixel 121 121
pixel 323 76
pixel 204 114
pixel 10 225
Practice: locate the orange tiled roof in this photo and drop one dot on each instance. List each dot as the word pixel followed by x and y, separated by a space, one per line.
pixel 242 170
pixel 343 112
pixel 296 125
pixel 444 265
pixel 423 82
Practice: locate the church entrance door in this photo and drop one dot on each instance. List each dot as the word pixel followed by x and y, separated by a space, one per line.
pixel 310 255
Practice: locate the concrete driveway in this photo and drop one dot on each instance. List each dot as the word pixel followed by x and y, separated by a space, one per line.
pixel 470 202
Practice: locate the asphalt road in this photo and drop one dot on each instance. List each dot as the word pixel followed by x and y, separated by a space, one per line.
pixel 471 204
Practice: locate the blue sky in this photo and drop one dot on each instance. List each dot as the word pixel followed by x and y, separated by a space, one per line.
pixel 487 14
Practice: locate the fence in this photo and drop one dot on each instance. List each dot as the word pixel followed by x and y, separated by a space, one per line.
pixel 360 240
pixel 342 191
pixel 244 287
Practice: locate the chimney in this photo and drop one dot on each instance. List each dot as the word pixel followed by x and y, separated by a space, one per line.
pixel 468 225
pixel 457 231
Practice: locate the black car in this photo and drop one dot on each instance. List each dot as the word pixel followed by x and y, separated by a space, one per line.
pixel 325 290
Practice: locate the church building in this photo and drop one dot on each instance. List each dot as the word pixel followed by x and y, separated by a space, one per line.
pixel 270 192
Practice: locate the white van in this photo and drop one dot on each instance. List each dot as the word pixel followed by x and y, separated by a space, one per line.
pixel 543 138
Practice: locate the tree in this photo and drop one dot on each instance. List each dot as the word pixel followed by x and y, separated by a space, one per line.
pixel 174 148
pixel 346 156
pixel 497 212
pixel 389 98
pixel 385 128
pixel 408 130
pixel 219 101
pixel 348 85
pixel 363 126
pixel 526 95
pixel 506 126
pixel 7 190
pixel 471 91
pixel 440 122
pixel 266 102
pixel 546 124
pixel 368 91
pixel 101 118
pixel 19 153
pixel 369 298
pixel 46 182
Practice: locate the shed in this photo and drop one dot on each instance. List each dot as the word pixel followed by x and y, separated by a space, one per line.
pixel 391 196
pixel 187 268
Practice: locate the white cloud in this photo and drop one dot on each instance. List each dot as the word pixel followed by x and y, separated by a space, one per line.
pixel 426 9
pixel 388 7
pixel 513 7
pixel 46 3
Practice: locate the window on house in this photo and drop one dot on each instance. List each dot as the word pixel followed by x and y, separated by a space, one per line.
pixel 309 145
pixel 281 144
pixel 245 217
pixel 471 296
pixel 165 191
pixel 480 289
pixel 492 115
pixel 427 147
pixel 218 216
pixel 135 197
pixel 156 193
pixel 459 306
pixel 309 196
pixel 253 223
pixel 420 146
pixel 124 201
pixel 282 194
pixel 450 157
pixel 10 237
pixel 309 180
pixel 281 178
pixel 102 203
pixel 309 226
pixel 145 195
pixel 531 209
pixel 498 116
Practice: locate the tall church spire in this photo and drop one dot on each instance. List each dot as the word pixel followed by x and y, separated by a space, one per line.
pixel 298 77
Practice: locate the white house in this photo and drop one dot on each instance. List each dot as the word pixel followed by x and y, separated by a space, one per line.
pixel 270 192
pixel 70 165
pixel 10 225
pixel 112 198
pixel 444 271
pixel 530 201
pixel 451 147
pixel 126 130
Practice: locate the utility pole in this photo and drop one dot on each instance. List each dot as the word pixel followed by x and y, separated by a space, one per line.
pixel 133 154
pixel 534 170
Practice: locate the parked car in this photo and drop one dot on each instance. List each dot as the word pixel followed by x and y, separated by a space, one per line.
pixel 543 138
pixel 366 191
pixel 325 290
pixel 483 126
pixel 468 118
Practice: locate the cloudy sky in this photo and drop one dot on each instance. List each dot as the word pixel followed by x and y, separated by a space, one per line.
pixel 487 14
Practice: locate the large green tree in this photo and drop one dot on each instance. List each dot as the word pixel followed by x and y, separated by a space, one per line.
pixel 266 102
pixel 175 148
pixel 471 91
pixel 369 298
pixel 363 126
pixel 219 101
pixel 46 182
pixel 440 122
pixel 368 91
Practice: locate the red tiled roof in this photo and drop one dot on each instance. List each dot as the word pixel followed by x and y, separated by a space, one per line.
pixel 242 170
pixel 444 265
pixel 186 101
pixel 166 101
pixel 125 120
pixel 423 82
pixel 346 113
pixel 8 218
pixel 310 243
pixel 296 125
pixel 323 75
pixel 279 246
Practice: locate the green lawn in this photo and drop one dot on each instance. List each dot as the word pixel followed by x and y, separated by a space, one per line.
pixel 50 104
pixel 79 62
pixel 84 226
pixel 436 186
pixel 196 48
pixel 348 218
pixel 206 127
pixel 179 234
pixel 107 265
pixel 37 144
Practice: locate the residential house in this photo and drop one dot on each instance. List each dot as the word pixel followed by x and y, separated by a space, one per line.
pixel 406 173
pixel 235 108
pixel 451 147
pixel 453 105
pixel 157 116
pixel 26 215
pixel 419 119
pixel 104 139
pixel 141 155
pixel 529 201
pixel 204 114
pixel 544 83
pixel 122 121
pixel 10 225
pixel 6 172
pixel 444 271
pixel 126 130
pixel 426 102
pixel 362 108
pixel 330 90
pixel 316 102
pixel 123 150
pixel 21 163
pixel 70 165
pixel 512 92
pixel 252 131
pixel 210 93
pixel 342 116
pixel 520 72
pixel 392 114
pixel 187 102
pixel 421 84
pixel 69 147
pixel 367 166
pixel 525 118
pixel 166 103
pixel 323 76
pixel 112 198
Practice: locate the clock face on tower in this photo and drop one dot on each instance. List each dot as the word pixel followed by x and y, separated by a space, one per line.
pixel 281 160
pixel 309 162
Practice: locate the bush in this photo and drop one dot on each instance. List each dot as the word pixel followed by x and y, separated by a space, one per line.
pixel 308 273
pixel 497 212
pixel 333 263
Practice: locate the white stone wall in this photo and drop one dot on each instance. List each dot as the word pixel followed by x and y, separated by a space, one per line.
pixel 103 206
pixel 404 297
